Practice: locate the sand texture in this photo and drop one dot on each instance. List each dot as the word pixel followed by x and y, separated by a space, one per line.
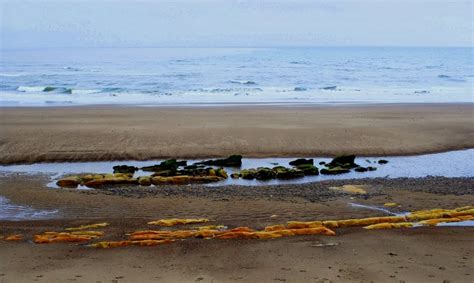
pixel 119 133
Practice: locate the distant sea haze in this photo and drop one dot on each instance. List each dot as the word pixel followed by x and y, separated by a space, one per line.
pixel 167 76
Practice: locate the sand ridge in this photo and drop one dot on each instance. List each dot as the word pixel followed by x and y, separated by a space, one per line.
pixel 123 133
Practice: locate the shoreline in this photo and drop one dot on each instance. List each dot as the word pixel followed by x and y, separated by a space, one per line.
pixel 110 133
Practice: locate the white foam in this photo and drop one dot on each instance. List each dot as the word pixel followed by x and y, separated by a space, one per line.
pixel 14 212
pixel 35 96
pixel 31 88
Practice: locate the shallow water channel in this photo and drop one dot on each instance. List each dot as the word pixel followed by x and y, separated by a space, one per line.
pixel 446 164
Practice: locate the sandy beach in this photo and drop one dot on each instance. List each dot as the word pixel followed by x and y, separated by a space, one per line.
pixel 413 255
pixel 422 254
pixel 236 141
pixel 124 133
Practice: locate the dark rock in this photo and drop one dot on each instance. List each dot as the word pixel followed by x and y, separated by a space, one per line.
pixel 370 168
pixel 361 169
pixel 383 161
pixel 170 164
pixel 265 173
pixel 231 161
pixel 344 161
pixel 322 163
pixel 302 161
pixel 125 169
pixel 191 167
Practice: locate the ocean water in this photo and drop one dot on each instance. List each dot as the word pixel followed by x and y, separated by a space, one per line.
pixel 202 76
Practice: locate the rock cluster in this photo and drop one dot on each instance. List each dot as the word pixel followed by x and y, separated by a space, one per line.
pixel 301 168
pixel 177 172
pixel 165 173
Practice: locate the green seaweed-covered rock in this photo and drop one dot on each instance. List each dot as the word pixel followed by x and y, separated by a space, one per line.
pixel 302 161
pixel 220 172
pixel 144 181
pixel 334 171
pixel 248 174
pixel 265 173
pixel 235 175
pixel 287 173
pixel 308 169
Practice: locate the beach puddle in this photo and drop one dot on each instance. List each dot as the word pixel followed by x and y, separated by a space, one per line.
pixel 447 164
pixel 9 211
pixel 377 208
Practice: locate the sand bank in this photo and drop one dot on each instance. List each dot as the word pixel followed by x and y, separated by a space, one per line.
pixel 140 133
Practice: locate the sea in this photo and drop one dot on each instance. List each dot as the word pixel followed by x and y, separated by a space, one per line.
pixel 223 76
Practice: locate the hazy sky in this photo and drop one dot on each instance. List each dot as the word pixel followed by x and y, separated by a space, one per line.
pixel 236 23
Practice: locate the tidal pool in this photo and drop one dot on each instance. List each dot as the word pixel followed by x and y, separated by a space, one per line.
pixel 446 164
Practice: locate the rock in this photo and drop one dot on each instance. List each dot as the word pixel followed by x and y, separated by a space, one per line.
pixel 308 169
pixel 192 167
pixel 170 164
pixel 90 177
pixel 322 163
pixel 119 175
pixel 183 180
pixel 302 161
pixel 344 161
pixel 248 174
pixel 287 173
pixel 110 181
pixel 235 175
pixel 383 161
pixel 334 171
pixel 265 173
pixel 164 173
pixel 361 169
pixel 125 169
pixel 221 173
pixel 69 182
pixel 144 181
pixel 231 161
pixel 370 168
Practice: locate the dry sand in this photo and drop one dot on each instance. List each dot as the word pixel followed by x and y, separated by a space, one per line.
pixel 113 133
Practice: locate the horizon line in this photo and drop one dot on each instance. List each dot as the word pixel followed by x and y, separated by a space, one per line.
pixel 236 46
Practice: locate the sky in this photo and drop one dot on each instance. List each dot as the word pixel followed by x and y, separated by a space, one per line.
pixel 108 23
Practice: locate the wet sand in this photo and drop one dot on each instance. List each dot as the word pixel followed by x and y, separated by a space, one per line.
pixel 412 255
pixel 140 133
pixel 416 255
